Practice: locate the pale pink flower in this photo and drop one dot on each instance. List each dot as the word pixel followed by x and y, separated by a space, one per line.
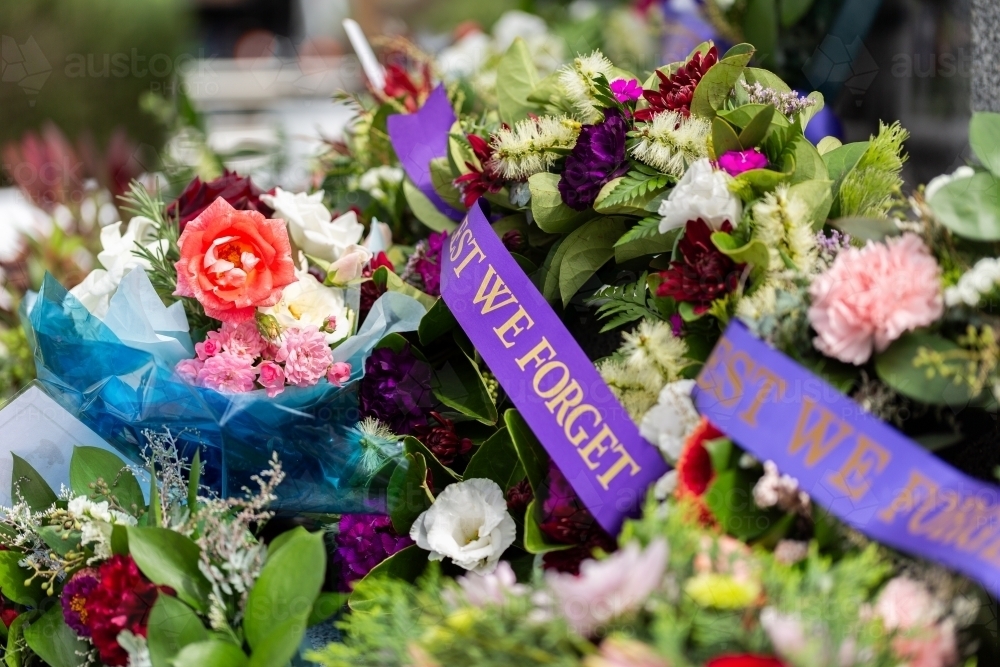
pixel 339 373
pixel 906 604
pixel 243 338
pixel 491 589
pixel 608 588
pixel 228 372
pixel 272 378
pixel 305 354
pixel 620 652
pixel 731 557
pixel 935 646
pixel 188 369
pixel 871 296
pixel 210 347
pixel 787 633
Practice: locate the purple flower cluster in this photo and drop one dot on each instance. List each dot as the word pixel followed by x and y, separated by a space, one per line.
pixel 396 389
pixel 364 541
pixel 74 597
pixel 424 268
pixel 597 158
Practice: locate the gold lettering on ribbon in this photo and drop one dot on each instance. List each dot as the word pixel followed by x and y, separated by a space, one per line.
pixel 819 442
pixel 490 293
pixel 853 479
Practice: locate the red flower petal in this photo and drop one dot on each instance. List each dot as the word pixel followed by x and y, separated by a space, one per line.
pixel 694 468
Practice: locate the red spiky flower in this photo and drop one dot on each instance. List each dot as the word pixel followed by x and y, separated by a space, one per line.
pixel 400 85
pixel 675 91
pixel 479 181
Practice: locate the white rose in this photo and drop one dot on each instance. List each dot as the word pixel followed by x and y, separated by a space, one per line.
pixel 312 227
pixel 308 301
pixel 939 182
pixel 468 523
pixel 668 423
pixel 703 192
pixel 350 265
pixel 118 258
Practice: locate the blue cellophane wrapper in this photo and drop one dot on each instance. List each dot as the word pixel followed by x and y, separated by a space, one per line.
pixel 120 391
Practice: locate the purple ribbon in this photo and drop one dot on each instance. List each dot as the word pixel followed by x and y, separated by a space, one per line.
pixel 857 467
pixel 549 378
pixel 420 137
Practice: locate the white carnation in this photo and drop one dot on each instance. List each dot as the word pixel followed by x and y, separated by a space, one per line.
pixel 467 523
pixel 669 423
pixel 703 193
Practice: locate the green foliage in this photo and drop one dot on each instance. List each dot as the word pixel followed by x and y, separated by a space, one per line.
pixel 172 626
pixel 408 494
pixel 547 207
pixel 984 137
pixel 425 210
pixel 517 78
pixel 970 207
pixel 942 384
pixel 53 641
pixel 870 188
pixel 624 303
pixel 496 459
pixel 718 82
pixel 585 251
pixel 170 559
pixel 17 366
pixel 25 482
pixel 101 475
pixel 640 182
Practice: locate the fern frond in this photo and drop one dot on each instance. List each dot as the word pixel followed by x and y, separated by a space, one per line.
pixel 643 229
pixel 624 303
pixel 635 184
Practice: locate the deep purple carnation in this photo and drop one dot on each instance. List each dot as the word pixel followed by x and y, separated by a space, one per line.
pixel 598 157
pixel 567 520
pixel 396 389
pixel 74 596
pixel 364 541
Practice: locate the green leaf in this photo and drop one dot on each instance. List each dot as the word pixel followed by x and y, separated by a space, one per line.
pixel 168 558
pixel 92 463
pixel 631 193
pixel 437 322
pixel 839 163
pixel 970 207
pixel 866 229
pixel 443 180
pixel 425 210
pixel 535 541
pixel 718 82
pixel 172 626
pixel 59 540
pixel 984 137
pixel 496 459
pixel 547 207
pixel 442 474
pixel 624 303
pixel 517 78
pixel 194 479
pixel 213 652
pixel 754 253
pixel 280 645
pixel 459 150
pixel 738 50
pixel 721 452
pixel 743 115
pixel 14 655
pixel 54 641
pixel 756 130
pixel 586 250
pixel 549 271
pixel 896 368
pixel 792 11
pixel 730 498
pixel 406 565
pixel 530 452
pixel 326 605
pixel 459 385
pixel 289 583
pixel 724 137
pixel 760 27
pixel 408 496
pixel 645 228
pixel 817 195
pixel 760 180
pixel 12 578
pixel 809 164
pixel 641 245
pixel 32 486
pixel 765 78
pixel 385 278
pixel 810 112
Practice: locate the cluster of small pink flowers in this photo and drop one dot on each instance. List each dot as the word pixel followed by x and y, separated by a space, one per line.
pixel 237 359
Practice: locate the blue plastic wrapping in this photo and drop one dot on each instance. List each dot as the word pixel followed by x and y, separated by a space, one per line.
pixel 119 391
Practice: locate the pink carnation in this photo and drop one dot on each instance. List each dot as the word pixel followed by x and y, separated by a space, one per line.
pixel 272 378
pixel 871 296
pixel 243 339
pixel 188 369
pixel 339 373
pixel 305 354
pixel 228 372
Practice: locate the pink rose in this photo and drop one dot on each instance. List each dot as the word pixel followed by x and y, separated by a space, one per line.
pixel 188 369
pixel 871 296
pixel 233 262
pixel 339 373
pixel 209 347
pixel 305 354
pixel 272 378
pixel 243 338
pixel 229 373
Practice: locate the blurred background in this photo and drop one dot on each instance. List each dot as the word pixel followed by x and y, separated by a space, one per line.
pixel 94 93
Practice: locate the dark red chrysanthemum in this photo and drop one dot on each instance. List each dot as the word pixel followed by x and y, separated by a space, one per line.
pixel 370 292
pixel 675 91
pixel 519 495
pixel 121 601
pixel 703 273
pixel 238 191
pixel 694 468
pixel 745 660
pixel 479 181
pixel 442 439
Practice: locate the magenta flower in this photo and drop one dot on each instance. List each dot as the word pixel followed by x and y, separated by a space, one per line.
pixel 74 598
pixel 626 90
pixel 228 372
pixel 305 354
pixel 243 338
pixel 272 378
pixel 364 541
pixel 735 163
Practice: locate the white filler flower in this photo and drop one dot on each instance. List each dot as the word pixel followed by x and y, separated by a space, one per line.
pixel 469 524
pixel 703 193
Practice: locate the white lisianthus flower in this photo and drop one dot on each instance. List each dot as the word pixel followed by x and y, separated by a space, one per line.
pixel 939 182
pixel 350 265
pixel 307 301
pixel 311 226
pixel 669 423
pixel 469 524
pixel 118 258
pixel 703 193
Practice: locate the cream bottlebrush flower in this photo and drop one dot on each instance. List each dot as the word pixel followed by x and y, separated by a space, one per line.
pixel 609 588
pixel 653 343
pixel 529 147
pixel 703 193
pixel 671 142
pixel 467 523
pixel 118 258
pixel 311 226
pixel 669 423
pixel 577 81
pixel 307 301
pixel 636 387
pixel 781 222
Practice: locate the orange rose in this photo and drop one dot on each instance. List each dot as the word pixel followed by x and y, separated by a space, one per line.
pixel 234 262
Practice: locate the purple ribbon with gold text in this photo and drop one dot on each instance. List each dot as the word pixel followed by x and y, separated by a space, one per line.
pixel 554 385
pixel 855 466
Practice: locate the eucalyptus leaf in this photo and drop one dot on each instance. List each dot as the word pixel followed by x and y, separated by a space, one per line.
pixel 168 558
pixel 809 164
pixel 766 78
pixel 425 210
pixel 585 251
pixel 970 206
pixel 547 207
pixel 866 229
pixel 896 367
pixel 984 137
pixel 718 82
pixel 517 78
